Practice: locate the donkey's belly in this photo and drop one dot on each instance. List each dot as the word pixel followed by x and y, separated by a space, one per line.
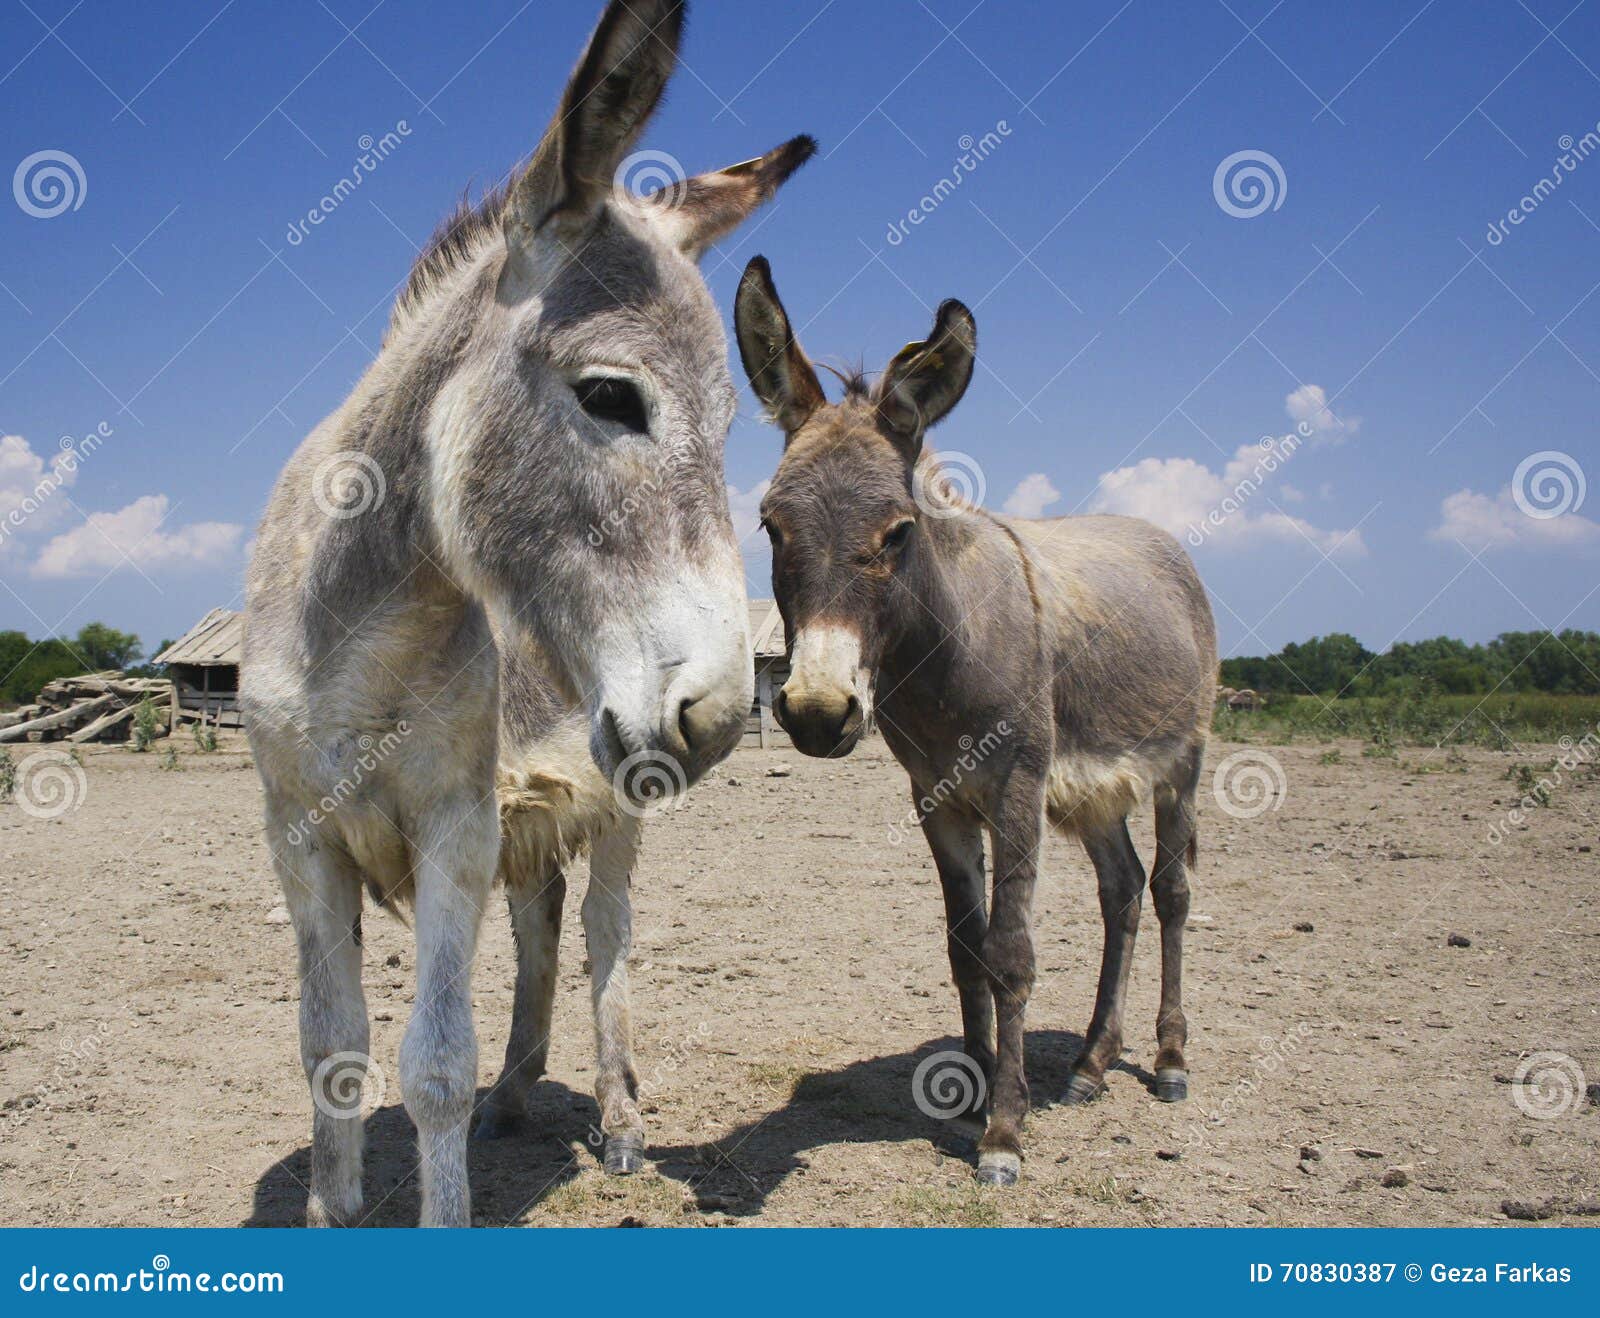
pixel 1087 792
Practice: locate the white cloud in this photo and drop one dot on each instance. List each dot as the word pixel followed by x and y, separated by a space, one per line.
pixel 30 488
pixel 1481 522
pixel 1308 405
pixel 1200 506
pixel 745 505
pixel 1034 493
pixel 137 533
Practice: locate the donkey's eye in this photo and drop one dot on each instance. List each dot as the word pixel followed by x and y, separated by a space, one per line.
pixel 772 531
pixel 897 535
pixel 611 398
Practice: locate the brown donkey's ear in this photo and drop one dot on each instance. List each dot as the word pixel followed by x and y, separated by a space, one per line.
pixel 925 380
pixel 613 91
pixel 779 370
pixel 700 211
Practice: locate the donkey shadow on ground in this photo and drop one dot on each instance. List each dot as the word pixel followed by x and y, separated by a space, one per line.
pixel 508 1176
pixel 865 1102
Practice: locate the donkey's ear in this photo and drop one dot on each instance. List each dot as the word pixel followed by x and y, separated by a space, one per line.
pixel 779 370
pixel 700 211
pixel 613 91
pixel 925 380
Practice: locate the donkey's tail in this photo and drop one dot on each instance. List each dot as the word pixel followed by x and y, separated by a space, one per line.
pixel 1192 854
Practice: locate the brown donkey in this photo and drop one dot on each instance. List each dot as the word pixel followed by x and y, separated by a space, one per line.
pixel 1017 669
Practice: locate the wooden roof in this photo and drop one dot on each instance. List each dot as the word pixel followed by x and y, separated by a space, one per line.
pixel 766 629
pixel 217 639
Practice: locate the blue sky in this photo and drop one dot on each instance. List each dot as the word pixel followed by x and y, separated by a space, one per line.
pixel 1137 332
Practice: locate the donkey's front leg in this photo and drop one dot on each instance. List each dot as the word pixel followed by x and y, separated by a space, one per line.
pixel 608 931
pixel 956 841
pixel 456 850
pixel 322 890
pixel 1008 960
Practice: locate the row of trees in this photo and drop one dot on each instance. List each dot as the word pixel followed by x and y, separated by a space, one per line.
pixel 26 665
pixel 1564 663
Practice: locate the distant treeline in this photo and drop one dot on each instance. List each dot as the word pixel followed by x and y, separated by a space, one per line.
pixel 26 665
pixel 1562 663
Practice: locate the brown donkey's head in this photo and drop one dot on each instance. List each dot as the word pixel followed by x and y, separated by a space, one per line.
pixel 842 511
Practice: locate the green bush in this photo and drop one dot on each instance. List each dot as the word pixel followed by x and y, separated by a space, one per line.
pixel 146 725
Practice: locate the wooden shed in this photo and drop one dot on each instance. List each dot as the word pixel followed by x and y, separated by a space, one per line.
pixel 204 666
pixel 772 671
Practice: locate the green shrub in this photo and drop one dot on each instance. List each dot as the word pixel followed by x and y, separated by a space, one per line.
pixel 146 725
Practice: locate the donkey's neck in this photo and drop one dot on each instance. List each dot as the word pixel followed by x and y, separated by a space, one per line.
pixel 391 554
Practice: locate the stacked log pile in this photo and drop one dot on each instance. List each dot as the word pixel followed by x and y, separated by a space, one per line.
pixel 92 707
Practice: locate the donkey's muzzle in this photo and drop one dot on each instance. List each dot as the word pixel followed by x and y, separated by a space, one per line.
pixel 823 723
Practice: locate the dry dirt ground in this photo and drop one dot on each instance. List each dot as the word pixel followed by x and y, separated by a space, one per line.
pixel 788 977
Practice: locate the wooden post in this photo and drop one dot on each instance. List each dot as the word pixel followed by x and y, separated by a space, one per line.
pixel 764 700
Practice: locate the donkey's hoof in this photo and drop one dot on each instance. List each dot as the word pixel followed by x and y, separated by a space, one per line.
pixel 624 1154
pixel 1082 1089
pixel 498 1124
pixel 320 1213
pixel 1172 1084
pixel 998 1169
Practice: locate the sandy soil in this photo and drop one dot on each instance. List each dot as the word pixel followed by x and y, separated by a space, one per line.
pixel 788 977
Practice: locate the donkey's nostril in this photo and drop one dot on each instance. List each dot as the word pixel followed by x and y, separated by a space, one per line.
pixel 701 722
pixel 780 705
pixel 852 715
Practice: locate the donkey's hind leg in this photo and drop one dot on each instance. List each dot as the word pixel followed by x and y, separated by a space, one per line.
pixel 1169 885
pixel 322 890
pixel 957 845
pixel 1121 882
pixel 536 923
pixel 608 931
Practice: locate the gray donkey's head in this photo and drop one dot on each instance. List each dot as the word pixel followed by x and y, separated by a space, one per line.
pixel 578 406
pixel 843 510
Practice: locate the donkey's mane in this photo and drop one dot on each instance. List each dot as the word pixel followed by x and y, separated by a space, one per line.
pixel 457 235
pixel 853 378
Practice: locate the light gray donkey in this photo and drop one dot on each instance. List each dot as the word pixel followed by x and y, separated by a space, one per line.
pixel 1021 669
pixel 497 595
